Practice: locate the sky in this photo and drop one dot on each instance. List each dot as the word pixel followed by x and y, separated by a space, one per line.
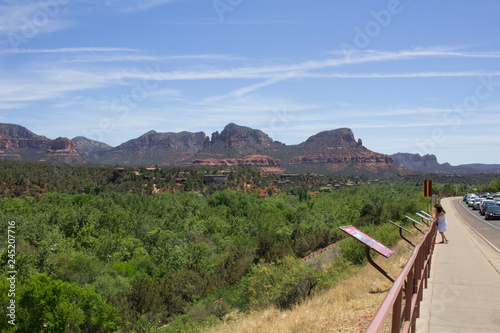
pixel 408 76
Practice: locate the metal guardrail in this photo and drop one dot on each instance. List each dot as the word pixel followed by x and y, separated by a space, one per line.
pixel 414 276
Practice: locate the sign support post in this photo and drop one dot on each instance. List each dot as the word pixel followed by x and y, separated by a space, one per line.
pixel 415 221
pixel 401 233
pixel 377 267
pixel 370 243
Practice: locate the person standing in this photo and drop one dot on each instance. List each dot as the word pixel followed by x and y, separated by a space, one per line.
pixel 441 221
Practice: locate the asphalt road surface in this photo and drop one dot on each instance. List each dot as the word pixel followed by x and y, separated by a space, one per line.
pixel 489 230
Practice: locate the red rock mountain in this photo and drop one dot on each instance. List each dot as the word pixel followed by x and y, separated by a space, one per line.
pixel 19 143
pixel 152 148
pixel 335 151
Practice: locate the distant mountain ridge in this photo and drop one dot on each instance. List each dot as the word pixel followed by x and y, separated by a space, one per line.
pixel 87 146
pixel 334 151
pixel 152 148
pixel 429 164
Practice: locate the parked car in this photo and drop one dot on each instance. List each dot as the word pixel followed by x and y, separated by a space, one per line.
pixel 485 204
pixel 492 212
pixel 471 199
pixel 477 202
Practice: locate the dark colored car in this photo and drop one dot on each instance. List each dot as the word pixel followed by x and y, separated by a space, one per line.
pixel 492 212
pixel 485 204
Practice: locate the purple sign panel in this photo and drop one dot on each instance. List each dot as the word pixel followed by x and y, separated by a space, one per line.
pixel 367 240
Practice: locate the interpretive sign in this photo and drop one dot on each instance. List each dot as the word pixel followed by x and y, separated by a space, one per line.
pixel 367 240
pixel 426 213
pixel 422 216
pixel 400 227
pixel 414 220
pixel 401 233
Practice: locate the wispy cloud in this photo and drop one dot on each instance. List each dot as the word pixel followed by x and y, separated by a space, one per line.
pixel 400 75
pixel 437 51
pixel 134 5
pixel 13 16
pixel 60 79
pixel 30 19
pixel 244 90
pixel 206 57
pixel 69 50
pixel 307 68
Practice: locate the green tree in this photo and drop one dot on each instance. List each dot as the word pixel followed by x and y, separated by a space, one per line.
pixel 63 307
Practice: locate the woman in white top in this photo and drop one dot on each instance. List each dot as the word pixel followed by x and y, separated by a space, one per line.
pixel 441 220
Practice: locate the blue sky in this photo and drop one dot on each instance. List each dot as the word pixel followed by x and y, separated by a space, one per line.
pixel 406 76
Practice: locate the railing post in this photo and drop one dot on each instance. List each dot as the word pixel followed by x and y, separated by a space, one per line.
pixel 396 312
pixel 409 295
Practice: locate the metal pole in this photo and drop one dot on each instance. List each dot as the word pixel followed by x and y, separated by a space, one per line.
pixel 377 267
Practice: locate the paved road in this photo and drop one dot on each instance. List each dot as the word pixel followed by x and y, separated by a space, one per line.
pixel 464 287
pixel 489 230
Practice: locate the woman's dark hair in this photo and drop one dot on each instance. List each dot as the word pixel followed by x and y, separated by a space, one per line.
pixel 439 209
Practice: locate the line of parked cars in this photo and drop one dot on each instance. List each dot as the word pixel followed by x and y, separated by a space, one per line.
pixel 487 204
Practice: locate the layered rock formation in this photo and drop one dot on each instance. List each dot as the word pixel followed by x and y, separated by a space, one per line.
pixel 335 151
pixel 265 163
pixel 62 150
pixel 17 142
pixel 235 141
pixel 326 152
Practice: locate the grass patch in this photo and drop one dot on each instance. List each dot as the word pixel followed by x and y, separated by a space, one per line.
pixel 346 307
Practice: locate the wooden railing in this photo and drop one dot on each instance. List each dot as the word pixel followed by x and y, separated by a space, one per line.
pixel 410 283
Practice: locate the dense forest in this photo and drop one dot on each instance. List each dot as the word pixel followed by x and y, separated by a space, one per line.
pixel 34 179
pixel 119 258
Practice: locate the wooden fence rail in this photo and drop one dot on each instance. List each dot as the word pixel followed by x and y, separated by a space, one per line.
pixel 408 286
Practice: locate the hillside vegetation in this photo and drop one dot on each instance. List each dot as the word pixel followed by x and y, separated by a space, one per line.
pixel 107 261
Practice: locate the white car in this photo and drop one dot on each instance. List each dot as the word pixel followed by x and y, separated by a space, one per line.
pixel 471 200
pixel 477 202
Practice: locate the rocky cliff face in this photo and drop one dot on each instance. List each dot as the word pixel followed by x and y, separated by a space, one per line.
pixel 335 151
pixel 326 152
pixel 333 138
pixel 238 146
pixel 15 137
pixel 266 163
pixel 235 141
pixel 154 148
pixel 62 150
pixel 17 142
